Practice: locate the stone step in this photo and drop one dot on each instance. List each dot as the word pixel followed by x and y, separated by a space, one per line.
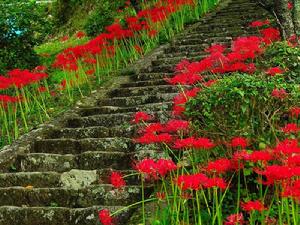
pixel 143 90
pixel 124 119
pixel 116 109
pixel 12 215
pixel 75 146
pixel 44 162
pixel 103 194
pixel 200 41
pixel 175 60
pixel 137 100
pixel 81 178
pixel 151 76
pixel 145 83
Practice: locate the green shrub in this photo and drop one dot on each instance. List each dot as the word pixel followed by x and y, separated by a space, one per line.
pixel 101 17
pixel 22 25
pixel 285 56
pixel 242 105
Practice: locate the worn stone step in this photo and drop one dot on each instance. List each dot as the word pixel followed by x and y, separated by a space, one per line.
pixel 137 100
pixel 78 178
pixel 75 146
pixel 151 76
pixel 146 90
pixel 145 83
pixel 118 109
pixel 175 60
pixel 199 41
pixel 105 120
pixel 12 215
pixel 103 194
pixel 43 162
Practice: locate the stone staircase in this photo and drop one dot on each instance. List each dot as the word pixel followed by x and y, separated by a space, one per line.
pixel 58 174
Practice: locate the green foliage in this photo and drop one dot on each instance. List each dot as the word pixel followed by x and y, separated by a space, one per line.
pixel 101 17
pixel 242 104
pixel 285 56
pixel 22 25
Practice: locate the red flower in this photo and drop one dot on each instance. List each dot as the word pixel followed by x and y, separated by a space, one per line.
pixel 141 116
pixel 295 111
pixel 290 5
pixel 259 23
pixel 279 93
pixel 275 70
pixel 117 180
pixel 287 147
pixel 161 195
pixel 191 182
pixel 152 33
pixel 191 142
pixel 253 206
pixel 270 35
pixel 216 48
pixel 42 89
pixel 235 219
pixel 80 34
pixel 220 166
pixel 259 156
pixel 216 182
pixel 150 138
pixel 290 128
pixel 64 38
pixel 138 49
pixel 239 142
pixel 176 125
pixel 185 79
pixel 105 218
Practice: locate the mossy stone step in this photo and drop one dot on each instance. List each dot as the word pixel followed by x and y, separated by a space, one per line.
pixel 153 107
pixel 11 215
pixel 44 162
pixel 78 178
pixel 146 76
pixel 143 90
pixel 145 83
pixel 77 146
pixel 103 194
pixel 137 100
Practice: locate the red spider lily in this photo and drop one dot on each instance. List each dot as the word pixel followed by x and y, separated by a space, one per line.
pixel 42 89
pixel 274 71
pixel 256 156
pixel 287 147
pixel 90 61
pixel 150 138
pixel 279 93
pixel 270 35
pixel 253 206
pixel 290 128
pixel 161 195
pixel 259 23
pixel 216 182
pixel 40 68
pixel 21 78
pixel 117 180
pixel 182 66
pixel 64 38
pixel 152 33
pixel 5 82
pixel 191 182
pixel 295 111
pixel 276 173
pixel 182 98
pixel 292 190
pixel 290 5
pixel 185 79
pixel 141 116
pixel 293 161
pixel 152 128
pixel 216 48
pixel 80 34
pixel 90 72
pixel 239 142
pixel 176 125
pixel 152 169
pixel 104 217
pixel 4 99
pixel 220 166
pixel 235 219
pixel 191 142
pixel 138 49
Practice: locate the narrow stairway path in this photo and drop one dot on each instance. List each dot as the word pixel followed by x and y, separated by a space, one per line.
pixel 62 178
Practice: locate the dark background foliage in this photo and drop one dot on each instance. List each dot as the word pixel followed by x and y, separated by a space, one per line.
pixel 23 24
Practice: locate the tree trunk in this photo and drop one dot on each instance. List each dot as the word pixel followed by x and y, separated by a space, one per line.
pixel 296 17
pixel 284 16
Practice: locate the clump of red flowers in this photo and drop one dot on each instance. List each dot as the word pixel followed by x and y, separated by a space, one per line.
pixel 117 180
pixel 105 218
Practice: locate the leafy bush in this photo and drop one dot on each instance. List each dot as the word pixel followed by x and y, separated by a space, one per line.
pixel 21 27
pixel 101 17
pixel 242 105
pixel 285 56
